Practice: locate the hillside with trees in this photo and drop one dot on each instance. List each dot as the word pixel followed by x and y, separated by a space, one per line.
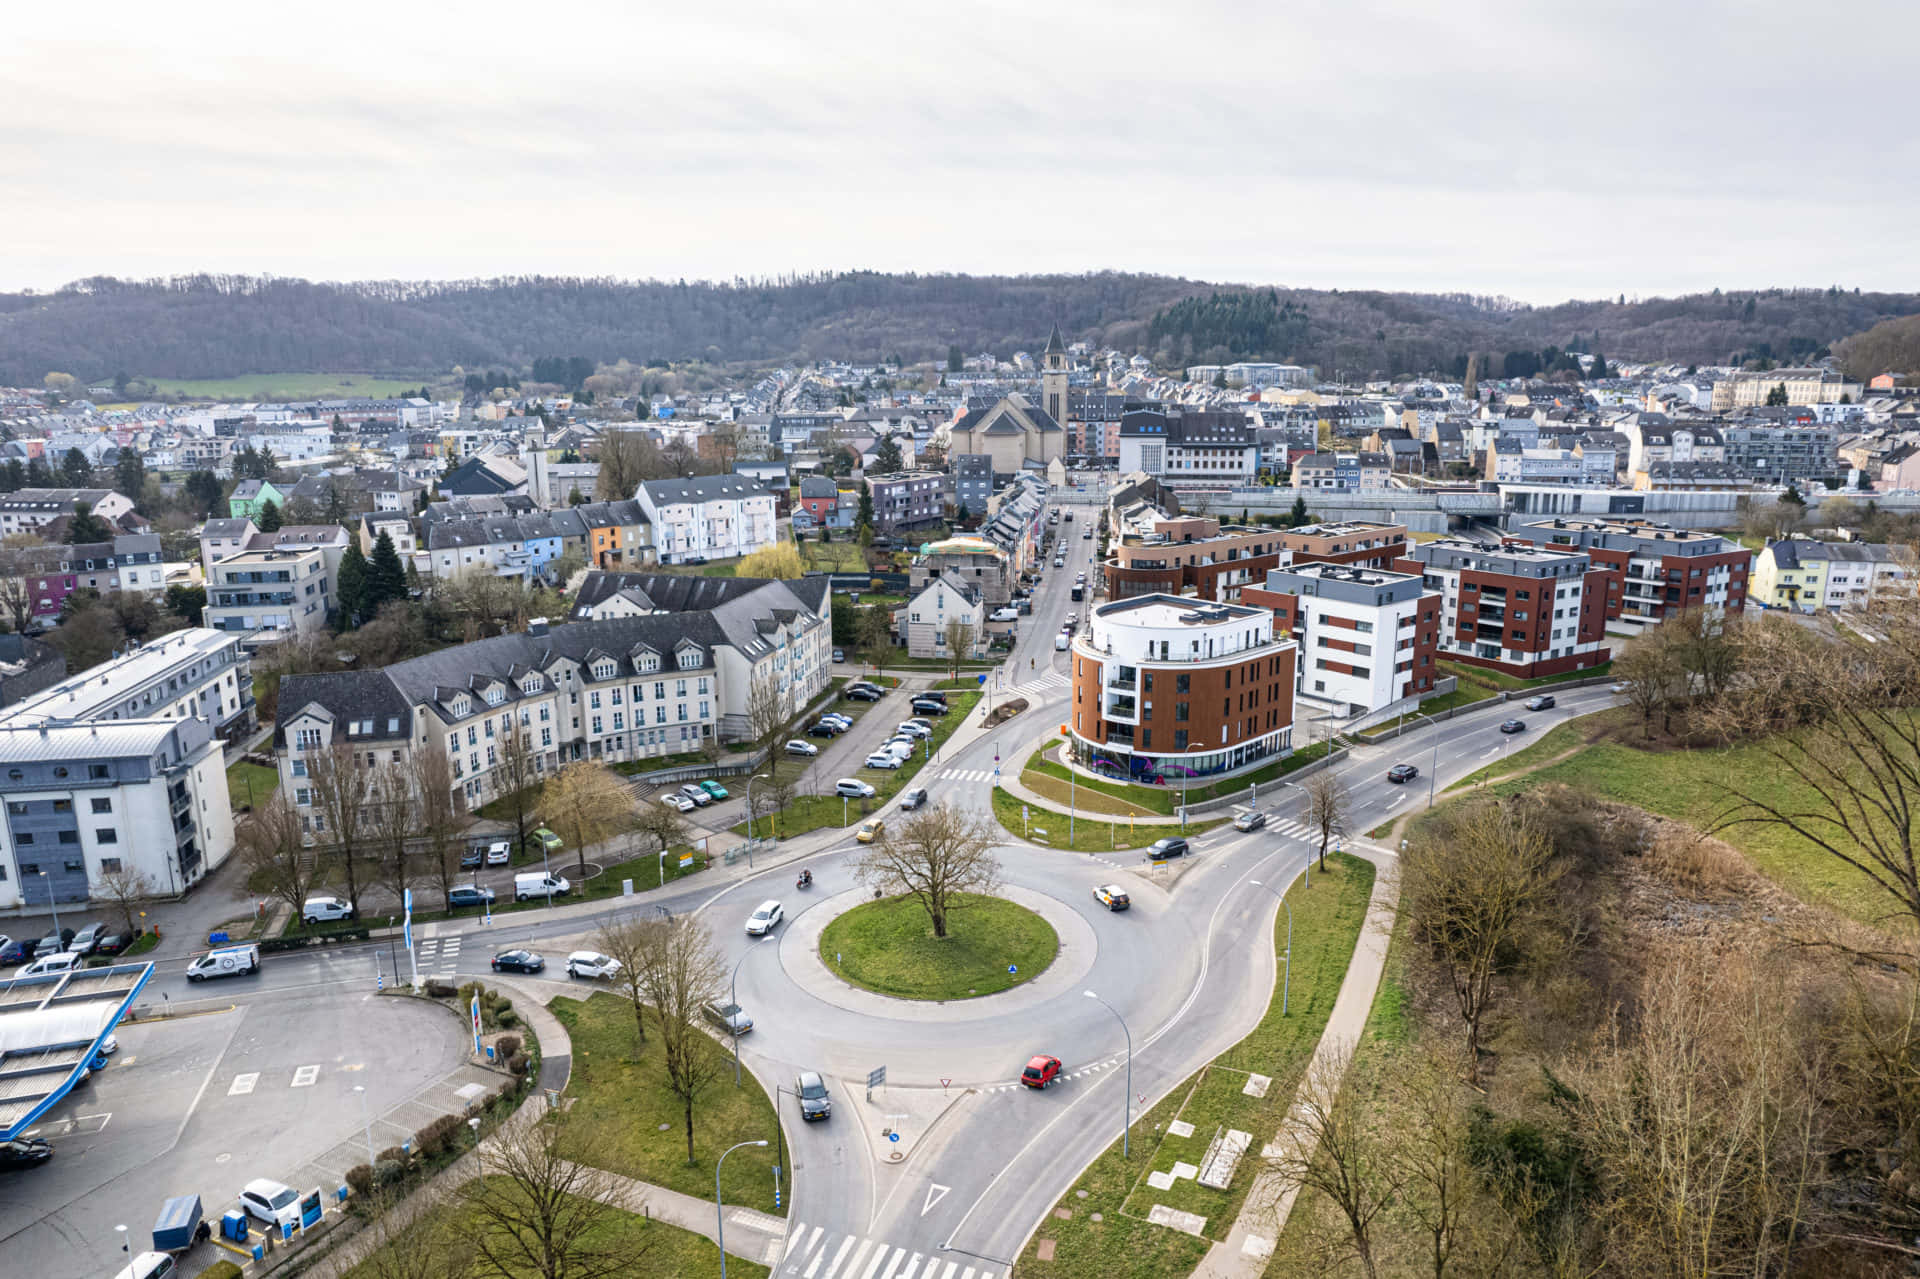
pixel 215 326
pixel 1891 346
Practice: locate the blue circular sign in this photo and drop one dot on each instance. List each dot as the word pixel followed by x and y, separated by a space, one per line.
pixel 1013 968
pixel 893 1136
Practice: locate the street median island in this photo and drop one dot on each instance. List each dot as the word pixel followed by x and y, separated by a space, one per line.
pixel 888 946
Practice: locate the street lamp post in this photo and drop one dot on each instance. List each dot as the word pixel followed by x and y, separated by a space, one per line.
pixel 1286 982
pixel 719 1212
pixel 51 905
pixel 1126 1102
pixel 733 997
pixel 758 777
pixel 366 1122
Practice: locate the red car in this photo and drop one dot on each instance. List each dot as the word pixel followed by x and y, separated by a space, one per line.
pixel 1040 1072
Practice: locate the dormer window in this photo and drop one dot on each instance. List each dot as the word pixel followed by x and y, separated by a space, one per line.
pixel 462 707
pixel 496 695
pixel 603 670
pixel 531 684
pixel 690 659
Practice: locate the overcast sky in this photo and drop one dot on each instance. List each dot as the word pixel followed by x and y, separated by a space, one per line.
pixel 1534 149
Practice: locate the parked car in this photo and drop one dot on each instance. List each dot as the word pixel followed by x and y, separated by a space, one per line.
pixel 473 858
pixel 1172 846
pixel 14 950
pixel 1402 773
pixel 839 655
pixel 1250 821
pixel 1618 687
pixel 926 724
pixel 1544 702
pixel 714 789
pixel 853 788
pixel 87 940
pixel 1061 641
pixel 765 918
pixel 728 1017
pixel 810 1091
pixel 1041 1071
pixel 111 944
pixel 913 728
pixel 927 706
pixel 24 1152
pixel 149 1265
pixel 54 961
pixel 1112 896
pixel 1005 614
pixel 839 719
pixel 805 750
pixel 870 830
pixel 468 895
pixel 592 965
pixel 1513 726
pixel 674 799
pixel 697 794
pixel 531 884
pixel 53 942
pixel 317 910
pixel 882 759
pixel 864 694
pixel 518 961
pixel 271 1202
pixel 824 729
pixel 912 798
pixel 499 853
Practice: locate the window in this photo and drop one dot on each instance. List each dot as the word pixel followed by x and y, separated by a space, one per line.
pixel 97 772
pixel 69 836
pixel 109 865
pixel 307 739
pixel 593 700
pixel 1180 683
pixel 106 835
pixel 63 806
pixel 101 805
pixel 17 807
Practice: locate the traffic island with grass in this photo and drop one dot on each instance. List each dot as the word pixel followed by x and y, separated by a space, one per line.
pixel 888 947
pixel 1085 834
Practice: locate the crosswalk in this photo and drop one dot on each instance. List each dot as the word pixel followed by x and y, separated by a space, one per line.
pixel 966 774
pixel 1293 829
pixel 814 1252
pixel 439 956
pixel 1082 1073
pixel 1050 682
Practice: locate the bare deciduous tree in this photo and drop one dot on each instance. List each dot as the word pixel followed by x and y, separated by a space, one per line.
pixel 662 824
pixel 959 637
pixel 412 1241
pixel 934 856
pixel 122 891
pixel 1325 808
pixel 273 850
pixel 1652 676
pixel 684 972
pixel 437 814
pixel 343 792
pixel 768 714
pixel 1468 887
pixel 543 1209
pixel 516 777
pixel 631 943
pixel 1336 1150
pixel 392 827
pixel 589 802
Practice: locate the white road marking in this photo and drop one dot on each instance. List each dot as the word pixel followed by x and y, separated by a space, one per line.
pixel 952 1267
pixel 243 1084
pixel 892 1265
pixel 837 1256
pixel 813 1267
pixel 935 1193
pixel 879 1255
pixel 853 1262
pixel 304 1076
pixel 794 1245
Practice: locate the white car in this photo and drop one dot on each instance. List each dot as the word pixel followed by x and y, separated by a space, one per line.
pixel 316 909
pixel 679 801
pixel 592 965
pixel 499 854
pixel 1060 642
pixel 700 797
pixel 271 1202
pixel 922 723
pixel 913 728
pixel 765 919
pixel 853 788
pixel 807 749
pixel 882 759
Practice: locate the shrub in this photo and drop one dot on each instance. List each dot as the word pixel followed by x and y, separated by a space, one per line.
pixel 506 1017
pixel 222 1270
pixel 507 1045
pixel 360 1179
pixel 439 990
pixel 443 1134
pixel 502 1004
pixel 388 1171
pixel 517 1063
pixel 394 1154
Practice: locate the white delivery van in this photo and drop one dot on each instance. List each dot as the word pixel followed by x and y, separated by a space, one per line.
pixel 536 883
pixel 322 909
pixel 227 961
pixel 61 961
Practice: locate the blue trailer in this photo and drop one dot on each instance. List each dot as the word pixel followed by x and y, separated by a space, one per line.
pixel 179 1225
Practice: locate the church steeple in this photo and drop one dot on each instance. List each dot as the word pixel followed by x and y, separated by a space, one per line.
pixel 1054 346
pixel 1053 378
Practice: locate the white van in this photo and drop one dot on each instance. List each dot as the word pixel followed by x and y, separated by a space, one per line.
pixel 61 961
pixel 148 1265
pixel 1060 642
pixel 536 883
pixel 227 961
pixel 318 909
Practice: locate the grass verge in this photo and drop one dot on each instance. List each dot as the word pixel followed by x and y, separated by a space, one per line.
pixel 625 1100
pixel 1500 681
pixel 1123 1242
pixel 250 785
pixel 888 947
pixel 1166 800
pixel 1090 835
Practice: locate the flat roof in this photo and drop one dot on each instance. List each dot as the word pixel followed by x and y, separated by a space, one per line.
pixel 82 695
pixel 1175 610
pixel 50 1028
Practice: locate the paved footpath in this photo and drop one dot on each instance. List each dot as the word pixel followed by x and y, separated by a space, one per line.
pixel 1244 1252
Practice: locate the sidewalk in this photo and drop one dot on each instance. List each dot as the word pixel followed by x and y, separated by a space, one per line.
pixel 1263 1215
pixel 1010 782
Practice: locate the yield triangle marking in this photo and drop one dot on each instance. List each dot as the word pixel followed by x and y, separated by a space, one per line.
pixel 935 1193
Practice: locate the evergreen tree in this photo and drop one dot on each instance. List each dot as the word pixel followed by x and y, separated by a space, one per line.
pixel 1599 368
pixel 960 513
pixel 75 470
pixel 1298 516
pixel 865 518
pixel 268 463
pixel 351 592
pixel 386 578
pixel 267 518
pixel 246 464
pixel 954 361
pixel 886 458
pixel 1777 397
pixel 39 474
pixel 576 497
pixel 203 487
pixel 15 477
pixel 86 526
pixel 337 512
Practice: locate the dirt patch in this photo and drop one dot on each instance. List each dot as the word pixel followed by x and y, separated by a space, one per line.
pixel 1005 711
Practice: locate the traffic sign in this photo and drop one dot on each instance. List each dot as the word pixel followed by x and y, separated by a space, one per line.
pixel 1012 969
pixel 893 1136
pixel 876 1076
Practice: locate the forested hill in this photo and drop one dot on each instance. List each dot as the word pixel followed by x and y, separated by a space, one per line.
pixel 222 326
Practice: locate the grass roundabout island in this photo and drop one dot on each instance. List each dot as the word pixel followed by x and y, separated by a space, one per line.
pixel 888 947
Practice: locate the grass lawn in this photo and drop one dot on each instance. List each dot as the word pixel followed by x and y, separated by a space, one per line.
pixel 1090 835
pixel 251 784
pixel 841 555
pixel 1501 681
pixel 631 767
pixel 811 812
pixel 889 947
pixel 625 1101
pixel 1327 922
pixel 666 1249
pixel 290 386
pixel 1166 800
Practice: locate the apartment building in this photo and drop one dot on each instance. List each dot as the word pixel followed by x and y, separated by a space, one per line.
pixel 86 800
pixel 199 673
pixel 49 574
pixel 1344 472
pixel 707 517
pixel 1355 543
pixel 1784 454
pixel 1191 555
pixel 1805 574
pixel 1525 610
pixel 25 510
pixel 269 595
pixel 972 483
pixel 1654 569
pixel 1191 447
pixel 1367 637
pixel 907 500
pixel 1166 689
pixel 976 563
pixel 1802 386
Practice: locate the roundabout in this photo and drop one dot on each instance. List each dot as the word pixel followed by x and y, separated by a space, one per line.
pixel 888 946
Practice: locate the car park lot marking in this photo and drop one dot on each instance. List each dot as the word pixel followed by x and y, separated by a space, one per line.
pixel 83 1124
pixel 304 1076
pixel 243 1084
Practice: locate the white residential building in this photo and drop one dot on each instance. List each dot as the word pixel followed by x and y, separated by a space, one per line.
pixel 25 510
pixel 707 517
pixel 927 614
pixel 198 673
pixel 283 592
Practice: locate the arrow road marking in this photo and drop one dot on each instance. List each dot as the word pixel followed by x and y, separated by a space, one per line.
pixel 935 1193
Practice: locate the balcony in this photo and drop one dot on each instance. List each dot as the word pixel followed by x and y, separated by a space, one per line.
pixel 1125 709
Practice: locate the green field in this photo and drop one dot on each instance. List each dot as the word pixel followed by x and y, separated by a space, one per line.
pixel 1089 835
pixel 888 947
pixel 291 386
pixel 250 785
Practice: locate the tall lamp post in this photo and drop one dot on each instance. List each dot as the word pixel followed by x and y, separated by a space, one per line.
pixel 733 997
pixel 1286 982
pixel 760 777
pixel 51 904
pixel 719 1212
pixel 1126 1102
pixel 1433 768
pixel 366 1123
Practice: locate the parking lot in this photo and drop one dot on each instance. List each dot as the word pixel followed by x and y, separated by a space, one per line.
pixel 194 1104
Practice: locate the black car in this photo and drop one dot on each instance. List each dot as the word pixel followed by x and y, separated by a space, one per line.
pixel 472 858
pixel 24 1152
pixel 1402 773
pixel 113 943
pixel 468 895
pixel 1514 726
pixel 1169 847
pixel 1544 702
pixel 824 730
pixel 518 961
pixel 864 695
pixel 811 1092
